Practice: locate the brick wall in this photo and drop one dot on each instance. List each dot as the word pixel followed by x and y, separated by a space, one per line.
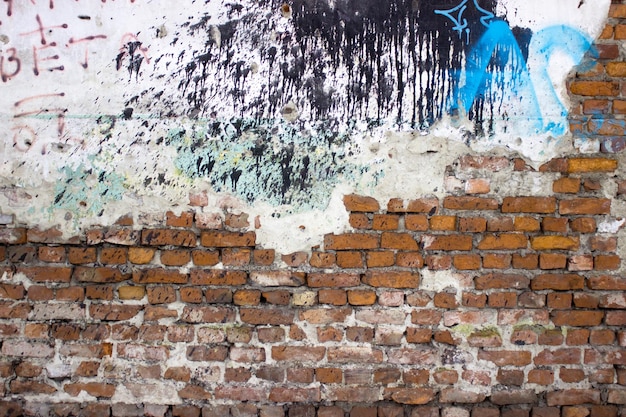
pixel 493 300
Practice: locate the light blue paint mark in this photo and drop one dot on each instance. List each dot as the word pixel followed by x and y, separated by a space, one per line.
pixel 271 161
pixel 84 192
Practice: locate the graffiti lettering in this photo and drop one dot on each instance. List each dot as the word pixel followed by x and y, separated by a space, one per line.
pixel 13 60
pixel 73 41
pixel 460 23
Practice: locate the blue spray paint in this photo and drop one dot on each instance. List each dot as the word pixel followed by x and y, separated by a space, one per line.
pixel 455 14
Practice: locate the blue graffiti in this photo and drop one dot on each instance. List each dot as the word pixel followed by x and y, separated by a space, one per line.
pixel 460 23
pixel 497 56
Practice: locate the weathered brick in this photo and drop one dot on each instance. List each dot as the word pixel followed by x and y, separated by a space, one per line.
pixel 351 241
pixel 489 163
pixel 217 277
pixel 100 275
pixel 554 242
pixel 447 242
pixel 263 316
pixel 543 205
pixel 594 88
pixel 46 273
pixel 113 312
pixel 277 278
pixel 503 241
pixel 501 281
pixel 583 165
pixel 325 315
pixel 95 389
pixel 470 203
pixel 423 205
pixel 392 279
pixel 585 206
pixel 221 239
pixel 573 397
pixel 505 357
pixel 400 241
pixel 159 276
pixel 559 282
pixel 163 237
pixel 298 353
pixel 359 203
pixel 577 318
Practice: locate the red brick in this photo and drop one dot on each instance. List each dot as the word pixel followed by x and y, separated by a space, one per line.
pixel 501 281
pixel 114 256
pixel 54 254
pixel 500 224
pixel 416 222
pixel 552 261
pixel 294 259
pixel 606 262
pixel 298 353
pixel 385 222
pixel 92 388
pixel 554 224
pixel 263 256
pixel 583 225
pixel 380 259
pixel 113 312
pixel 46 273
pixel 333 280
pixel 577 318
pixel 262 316
pixel 360 221
pixel 505 357
pixel 573 397
pixel 529 205
pixel 529 261
pixel 470 203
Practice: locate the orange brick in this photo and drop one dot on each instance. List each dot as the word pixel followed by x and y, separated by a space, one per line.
pixel 559 301
pixel 467 262
pixel 391 279
pixel 445 300
pixel 592 106
pixel 416 222
pixel 442 223
pixel 526 224
pixel 606 262
pixel 470 203
pixel 80 256
pixel 247 297
pixel 385 222
pixel 351 241
pixel 322 259
pixel 410 259
pixel 555 242
pixel 529 261
pixel 222 239
pixel 263 256
pixel 140 256
pixel 401 241
pixel 583 225
pixel 500 224
pixel 360 221
pixel 159 276
pixel 175 257
pixel 236 256
pixel 423 205
pixel 185 219
pixel 594 88
pixel 503 241
pixel 529 205
pixel 361 297
pixel 501 281
pixel 496 261
pixel 591 165
pixel 620 32
pixel 617 11
pixel 191 295
pixel 559 282
pixel 552 261
pixel 205 257
pixel 161 237
pixel 447 242
pixel 554 224
pixel 359 203
pixel 350 259
pixel 380 259
pixel 472 224
pixel 566 185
